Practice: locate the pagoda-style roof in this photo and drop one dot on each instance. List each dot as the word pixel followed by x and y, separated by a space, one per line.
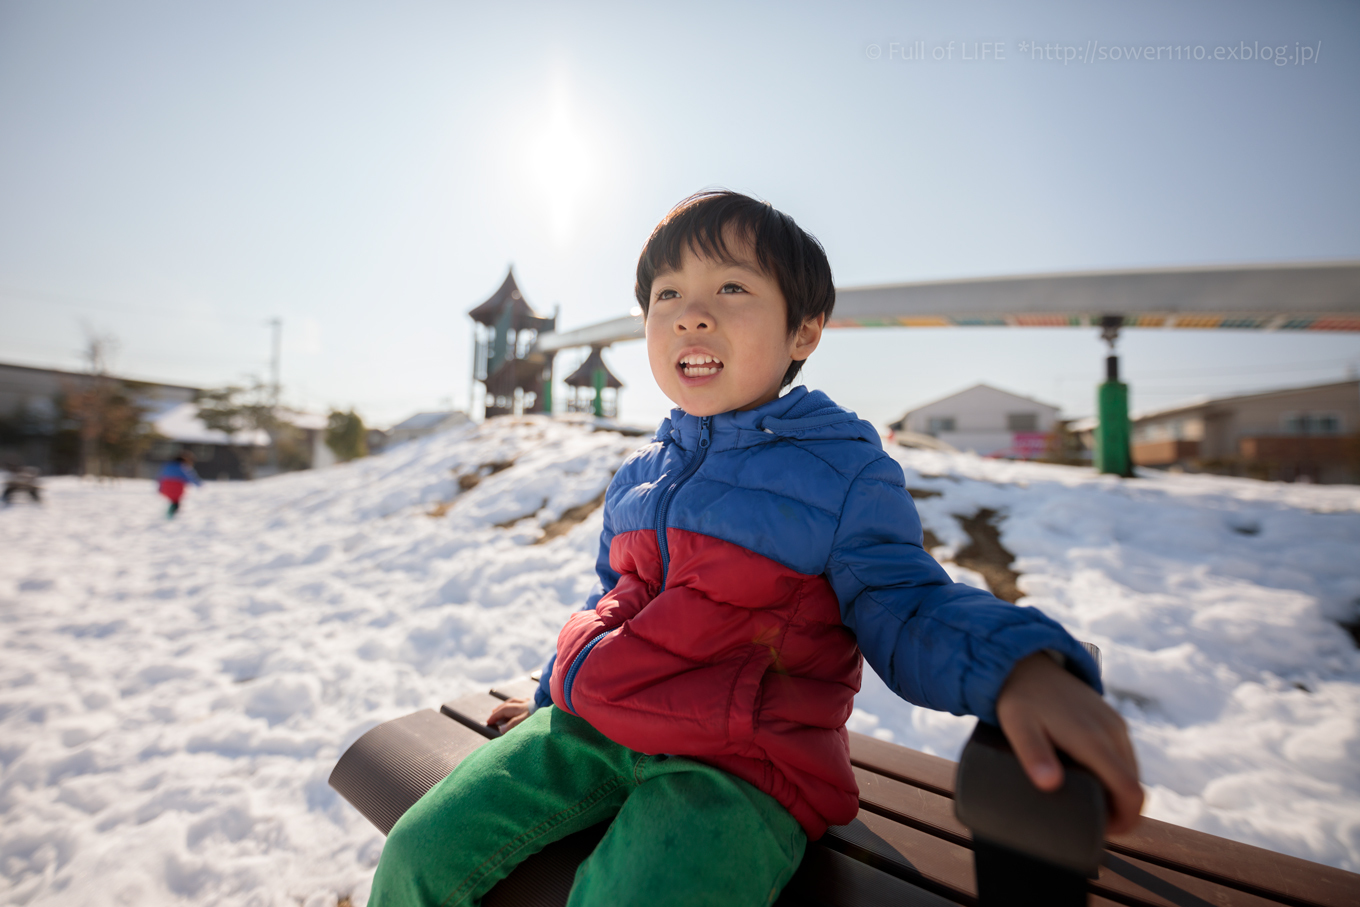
pixel 524 317
pixel 585 375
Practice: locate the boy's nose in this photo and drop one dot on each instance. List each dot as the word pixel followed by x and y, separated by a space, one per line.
pixel 694 318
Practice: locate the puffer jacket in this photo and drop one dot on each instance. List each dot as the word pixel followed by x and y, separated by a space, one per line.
pixel 746 561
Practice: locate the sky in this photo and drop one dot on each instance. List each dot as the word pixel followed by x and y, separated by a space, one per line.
pixel 176 175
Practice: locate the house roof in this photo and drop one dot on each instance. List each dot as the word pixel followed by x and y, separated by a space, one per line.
pixel 973 388
pixel 1088 423
pixel 421 421
pixel 1186 406
pixel 181 423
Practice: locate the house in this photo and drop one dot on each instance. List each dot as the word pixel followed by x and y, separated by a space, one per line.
pixel 216 456
pixel 37 425
pixel 1303 433
pixel 300 438
pixel 985 420
pixel 422 424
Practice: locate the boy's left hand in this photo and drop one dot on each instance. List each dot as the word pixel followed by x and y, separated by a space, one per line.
pixel 510 713
pixel 1042 706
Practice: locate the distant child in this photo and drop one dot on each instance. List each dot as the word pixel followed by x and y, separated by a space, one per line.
pixel 751 554
pixel 174 477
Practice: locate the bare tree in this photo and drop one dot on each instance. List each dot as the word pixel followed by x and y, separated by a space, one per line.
pixel 112 421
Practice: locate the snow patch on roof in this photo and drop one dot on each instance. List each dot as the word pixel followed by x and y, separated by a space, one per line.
pixel 181 423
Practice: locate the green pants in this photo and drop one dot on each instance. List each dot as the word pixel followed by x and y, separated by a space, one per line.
pixel 683 832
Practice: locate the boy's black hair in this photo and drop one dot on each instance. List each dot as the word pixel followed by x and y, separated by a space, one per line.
pixel 783 250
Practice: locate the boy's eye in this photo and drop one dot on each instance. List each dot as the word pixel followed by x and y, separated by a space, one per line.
pixel 732 288
pixel 666 294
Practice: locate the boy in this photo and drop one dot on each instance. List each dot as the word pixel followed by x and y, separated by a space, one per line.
pixel 749 555
pixel 174 477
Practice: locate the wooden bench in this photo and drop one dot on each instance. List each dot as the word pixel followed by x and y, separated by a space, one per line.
pixel 906 848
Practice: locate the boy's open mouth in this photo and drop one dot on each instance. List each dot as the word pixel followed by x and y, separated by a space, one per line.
pixel 699 365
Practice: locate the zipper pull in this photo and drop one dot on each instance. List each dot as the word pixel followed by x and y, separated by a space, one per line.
pixel 703 433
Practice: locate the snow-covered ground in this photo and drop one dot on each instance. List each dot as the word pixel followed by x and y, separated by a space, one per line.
pixel 173 695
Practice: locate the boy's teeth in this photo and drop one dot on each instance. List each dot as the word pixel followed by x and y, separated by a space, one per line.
pixel 700 365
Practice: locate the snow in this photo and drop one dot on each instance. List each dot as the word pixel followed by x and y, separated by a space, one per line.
pixel 173 695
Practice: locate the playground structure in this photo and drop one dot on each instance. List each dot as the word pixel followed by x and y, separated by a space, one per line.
pixel 515 377
pixel 518 349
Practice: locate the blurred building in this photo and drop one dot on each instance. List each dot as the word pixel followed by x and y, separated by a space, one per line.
pixel 422 424
pixel 216 455
pixel 985 420
pixel 1303 433
pixel 37 427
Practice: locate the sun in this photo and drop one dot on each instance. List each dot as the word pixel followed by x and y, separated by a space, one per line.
pixel 561 162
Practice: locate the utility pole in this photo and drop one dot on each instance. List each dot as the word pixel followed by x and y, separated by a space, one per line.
pixel 277 325
pixel 276 352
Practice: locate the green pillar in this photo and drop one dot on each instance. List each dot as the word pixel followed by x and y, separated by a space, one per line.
pixel 1112 432
pixel 500 343
pixel 598 377
pixel 547 386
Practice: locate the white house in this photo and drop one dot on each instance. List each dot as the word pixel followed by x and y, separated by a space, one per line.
pixel 985 420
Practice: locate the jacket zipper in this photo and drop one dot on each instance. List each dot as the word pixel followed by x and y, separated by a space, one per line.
pixel 665 552
pixel 576 666
pixel 665 504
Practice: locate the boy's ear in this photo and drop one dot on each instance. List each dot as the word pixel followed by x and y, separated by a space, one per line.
pixel 807 337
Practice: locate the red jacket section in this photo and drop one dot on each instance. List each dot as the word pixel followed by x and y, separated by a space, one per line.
pixel 740 662
pixel 172 488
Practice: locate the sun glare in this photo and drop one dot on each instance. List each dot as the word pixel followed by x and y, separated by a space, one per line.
pixel 561 163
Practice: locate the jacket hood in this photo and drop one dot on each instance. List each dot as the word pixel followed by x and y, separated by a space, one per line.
pixel 800 414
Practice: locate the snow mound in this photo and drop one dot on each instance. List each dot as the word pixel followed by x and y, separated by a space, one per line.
pixel 173 695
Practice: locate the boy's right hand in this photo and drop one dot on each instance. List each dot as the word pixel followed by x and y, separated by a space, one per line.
pixel 510 713
pixel 1043 707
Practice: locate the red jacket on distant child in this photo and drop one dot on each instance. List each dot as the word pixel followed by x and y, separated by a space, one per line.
pixel 174 477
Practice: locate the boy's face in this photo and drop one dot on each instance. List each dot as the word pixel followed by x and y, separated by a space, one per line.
pixel 717 333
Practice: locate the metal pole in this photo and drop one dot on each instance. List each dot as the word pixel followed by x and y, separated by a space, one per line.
pixel 598 378
pixel 1112 454
pixel 276 353
pixel 277 325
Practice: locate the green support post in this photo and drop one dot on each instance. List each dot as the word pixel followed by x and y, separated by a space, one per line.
pixel 598 379
pixel 1112 431
pixel 547 386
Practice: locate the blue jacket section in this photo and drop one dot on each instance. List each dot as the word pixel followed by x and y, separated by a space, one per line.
pixel 177 470
pixel 808 485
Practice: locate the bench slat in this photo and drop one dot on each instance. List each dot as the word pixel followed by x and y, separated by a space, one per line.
pixel 1254 870
pixel 912 766
pixel 471 711
pixel 520 688
pixel 1125 878
pixel 388 769
pixel 827 878
pixel 1290 880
